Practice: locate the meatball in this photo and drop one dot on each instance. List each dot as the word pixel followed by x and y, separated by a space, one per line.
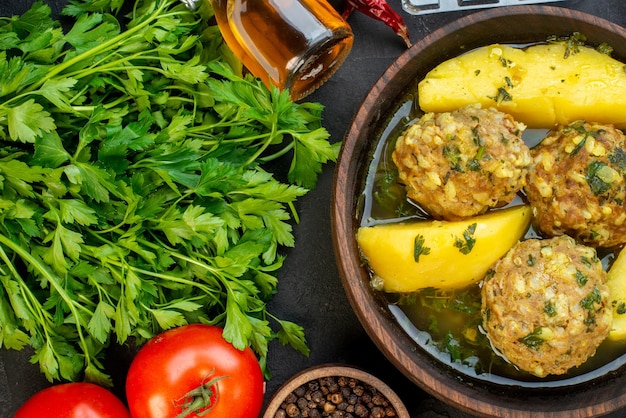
pixel 545 305
pixel 576 184
pixel 460 164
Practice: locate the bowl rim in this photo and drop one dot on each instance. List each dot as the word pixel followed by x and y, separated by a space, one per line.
pixel 384 331
pixel 333 370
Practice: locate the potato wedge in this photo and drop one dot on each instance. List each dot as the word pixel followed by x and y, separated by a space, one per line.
pixel 540 86
pixel 440 254
pixel 617 289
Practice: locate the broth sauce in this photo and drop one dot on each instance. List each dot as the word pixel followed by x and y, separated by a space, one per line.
pixel 448 324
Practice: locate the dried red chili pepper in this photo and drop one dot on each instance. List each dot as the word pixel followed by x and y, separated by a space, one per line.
pixel 379 10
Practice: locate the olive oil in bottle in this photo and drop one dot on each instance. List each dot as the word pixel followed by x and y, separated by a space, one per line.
pixel 292 44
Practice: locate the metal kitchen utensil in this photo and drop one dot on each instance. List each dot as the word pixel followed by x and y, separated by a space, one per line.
pixel 419 7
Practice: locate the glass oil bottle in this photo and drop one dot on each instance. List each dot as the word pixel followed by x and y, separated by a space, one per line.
pixel 292 44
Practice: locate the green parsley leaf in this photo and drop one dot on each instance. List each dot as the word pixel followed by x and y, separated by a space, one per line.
pixel 600 177
pixel 56 91
pixel 466 244
pixel 27 121
pixel 534 340
pixel 293 335
pixel 419 248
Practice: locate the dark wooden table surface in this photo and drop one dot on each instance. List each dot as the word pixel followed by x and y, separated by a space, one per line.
pixel 310 290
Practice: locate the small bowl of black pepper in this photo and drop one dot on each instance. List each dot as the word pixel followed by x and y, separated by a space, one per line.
pixel 335 391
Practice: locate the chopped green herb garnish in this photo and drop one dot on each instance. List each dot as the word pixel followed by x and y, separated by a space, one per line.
pixel 577 126
pixel 588 262
pixel 550 309
pixel 502 96
pixel 595 297
pixel 591 319
pixel 473 165
pixel 618 157
pixel 599 177
pixel 385 191
pixel 578 146
pixel 467 242
pixel 589 302
pixel 505 62
pixel 581 279
pixel 452 154
pixel 534 340
pixel 475 136
pixel 605 49
pixel 452 347
pixel 419 248
pixel 572 43
pixel 466 303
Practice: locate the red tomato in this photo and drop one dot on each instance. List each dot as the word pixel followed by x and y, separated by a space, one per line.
pixel 174 363
pixel 73 400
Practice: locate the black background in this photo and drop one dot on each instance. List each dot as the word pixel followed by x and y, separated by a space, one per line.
pixel 310 290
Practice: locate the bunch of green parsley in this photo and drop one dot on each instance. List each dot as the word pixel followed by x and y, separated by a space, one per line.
pixel 133 194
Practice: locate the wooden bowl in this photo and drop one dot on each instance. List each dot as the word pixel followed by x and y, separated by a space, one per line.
pixel 333 370
pixel 516 25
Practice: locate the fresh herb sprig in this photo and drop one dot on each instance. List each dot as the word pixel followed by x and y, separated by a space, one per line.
pixel 133 196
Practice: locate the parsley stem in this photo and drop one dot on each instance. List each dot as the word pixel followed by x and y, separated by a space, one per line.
pixel 284 150
pixel 32 303
pixel 169 277
pixel 264 145
pixel 54 281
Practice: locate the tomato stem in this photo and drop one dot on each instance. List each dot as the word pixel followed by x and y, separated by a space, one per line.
pixel 201 400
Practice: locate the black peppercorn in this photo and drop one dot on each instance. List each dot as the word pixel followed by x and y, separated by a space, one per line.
pixel 291 398
pixel 390 412
pixel 333 387
pixel 292 410
pixel 317 397
pixel 302 403
pixel 315 413
pixel 361 410
pixel 377 412
pixel 366 398
pixel 378 399
pixel 329 407
pixel 336 397
pixel 299 392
